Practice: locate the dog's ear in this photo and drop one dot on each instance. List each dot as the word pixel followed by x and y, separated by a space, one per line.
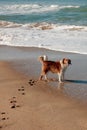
pixel 63 61
pixel 66 61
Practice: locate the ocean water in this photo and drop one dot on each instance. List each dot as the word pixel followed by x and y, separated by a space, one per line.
pixel 59 25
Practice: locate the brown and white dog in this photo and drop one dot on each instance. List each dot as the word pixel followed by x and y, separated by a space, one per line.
pixel 57 67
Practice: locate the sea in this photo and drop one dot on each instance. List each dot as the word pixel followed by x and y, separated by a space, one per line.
pixel 59 25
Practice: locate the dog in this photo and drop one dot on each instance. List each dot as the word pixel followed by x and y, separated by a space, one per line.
pixel 58 67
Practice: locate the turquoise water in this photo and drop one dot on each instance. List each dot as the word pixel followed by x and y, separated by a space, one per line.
pixel 54 11
pixel 59 25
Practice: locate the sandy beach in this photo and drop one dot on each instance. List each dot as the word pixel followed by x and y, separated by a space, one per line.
pixel 29 104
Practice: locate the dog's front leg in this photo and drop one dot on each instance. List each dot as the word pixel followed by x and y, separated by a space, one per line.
pixel 60 77
pixel 63 74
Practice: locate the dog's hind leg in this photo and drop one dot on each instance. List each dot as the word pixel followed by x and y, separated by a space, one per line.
pixel 43 74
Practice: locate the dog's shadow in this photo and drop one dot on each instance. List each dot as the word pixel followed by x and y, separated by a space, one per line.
pixel 77 81
pixel 71 81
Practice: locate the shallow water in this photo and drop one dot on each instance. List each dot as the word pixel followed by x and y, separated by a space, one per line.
pixel 56 25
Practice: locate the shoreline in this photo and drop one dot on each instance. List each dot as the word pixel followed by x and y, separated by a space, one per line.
pixel 27 103
pixel 41 48
pixel 25 60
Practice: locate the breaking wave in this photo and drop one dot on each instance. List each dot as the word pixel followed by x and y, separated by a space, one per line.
pixel 68 38
pixel 30 8
pixel 42 26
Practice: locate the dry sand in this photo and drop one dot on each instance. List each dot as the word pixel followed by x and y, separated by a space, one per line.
pixel 29 104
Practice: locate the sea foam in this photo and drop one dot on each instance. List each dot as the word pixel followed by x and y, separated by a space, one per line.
pixel 67 38
pixel 31 8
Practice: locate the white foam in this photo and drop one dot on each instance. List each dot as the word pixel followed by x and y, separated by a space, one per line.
pixel 30 8
pixel 69 6
pixel 59 38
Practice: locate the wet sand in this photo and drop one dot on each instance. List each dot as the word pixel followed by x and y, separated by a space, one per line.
pixel 26 103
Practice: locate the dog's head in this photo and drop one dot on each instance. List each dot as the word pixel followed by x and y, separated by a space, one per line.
pixel 67 61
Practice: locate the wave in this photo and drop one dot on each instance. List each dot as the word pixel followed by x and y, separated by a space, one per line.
pixel 30 8
pixel 42 26
pixel 68 38
pixel 9 24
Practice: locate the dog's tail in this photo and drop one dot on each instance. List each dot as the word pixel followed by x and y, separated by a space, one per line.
pixel 43 58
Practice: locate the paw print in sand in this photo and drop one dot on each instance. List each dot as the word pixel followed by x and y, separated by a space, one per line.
pixel 13 102
pixel 31 82
pixel 3 119
pixel 4 116
pixel 22 90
